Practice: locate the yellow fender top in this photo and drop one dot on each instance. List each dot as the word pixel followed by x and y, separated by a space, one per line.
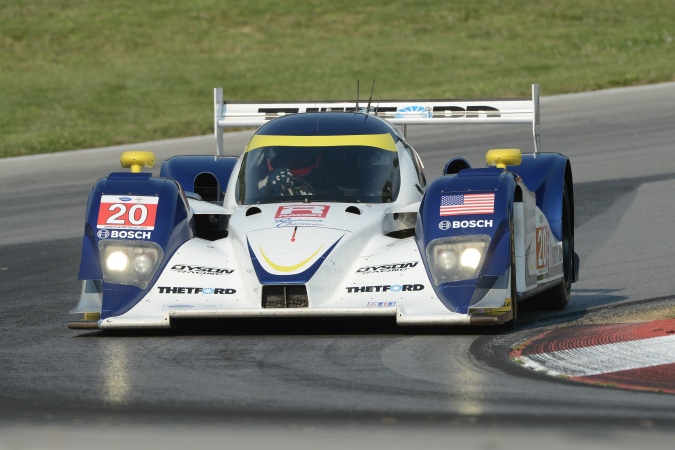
pixel 137 160
pixel 502 157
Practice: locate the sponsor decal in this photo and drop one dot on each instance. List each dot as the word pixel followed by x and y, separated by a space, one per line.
pixel 530 221
pixel 381 304
pixel 387 268
pixel 438 111
pixel 556 255
pixel 194 290
pixel 136 213
pixel 542 248
pixel 294 211
pixel 473 111
pixel 271 113
pixel 464 204
pixel 123 234
pixel 298 223
pixel 200 270
pixel 414 111
pixel 385 288
pixel 447 224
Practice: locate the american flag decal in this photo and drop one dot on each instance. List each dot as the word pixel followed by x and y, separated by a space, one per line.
pixel 465 204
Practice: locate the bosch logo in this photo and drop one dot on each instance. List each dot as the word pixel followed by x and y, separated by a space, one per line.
pixel 471 223
pixel 447 224
pixel 123 234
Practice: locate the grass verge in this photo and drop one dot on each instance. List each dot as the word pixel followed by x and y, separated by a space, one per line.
pixel 79 74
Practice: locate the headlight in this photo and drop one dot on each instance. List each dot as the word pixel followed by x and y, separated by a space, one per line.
pixel 456 258
pixel 117 261
pixel 143 263
pixel 130 262
pixel 470 257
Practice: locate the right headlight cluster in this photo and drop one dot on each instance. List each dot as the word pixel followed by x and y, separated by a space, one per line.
pixel 456 258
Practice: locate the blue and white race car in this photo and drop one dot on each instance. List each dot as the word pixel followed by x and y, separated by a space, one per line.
pixel 328 213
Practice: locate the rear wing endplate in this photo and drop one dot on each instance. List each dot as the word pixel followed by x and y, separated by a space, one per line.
pixel 398 112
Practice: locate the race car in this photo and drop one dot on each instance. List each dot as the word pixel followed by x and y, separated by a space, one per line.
pixel 328 213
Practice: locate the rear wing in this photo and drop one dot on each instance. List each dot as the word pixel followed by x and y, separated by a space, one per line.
pixel 398 112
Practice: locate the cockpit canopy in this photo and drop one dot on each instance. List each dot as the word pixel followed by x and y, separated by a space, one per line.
pixel 347 168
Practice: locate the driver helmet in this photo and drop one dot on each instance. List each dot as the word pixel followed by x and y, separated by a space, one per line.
pixel 300 161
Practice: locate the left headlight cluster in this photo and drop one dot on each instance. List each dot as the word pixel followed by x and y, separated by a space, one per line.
pixel 456 258
pixel 131 262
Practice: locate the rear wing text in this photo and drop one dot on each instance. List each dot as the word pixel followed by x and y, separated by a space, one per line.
pixel 398 112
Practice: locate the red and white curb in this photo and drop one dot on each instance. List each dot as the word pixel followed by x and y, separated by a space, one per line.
pixel 626 355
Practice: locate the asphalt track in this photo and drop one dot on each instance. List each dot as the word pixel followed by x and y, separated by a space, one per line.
pixel 337 384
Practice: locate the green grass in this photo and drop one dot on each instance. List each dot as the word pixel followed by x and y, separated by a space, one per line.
pixel 85 73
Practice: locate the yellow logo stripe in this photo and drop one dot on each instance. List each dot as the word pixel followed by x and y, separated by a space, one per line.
pixel 290 268
pixel 384 141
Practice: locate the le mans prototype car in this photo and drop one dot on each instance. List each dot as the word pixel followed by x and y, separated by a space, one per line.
pixel 328 213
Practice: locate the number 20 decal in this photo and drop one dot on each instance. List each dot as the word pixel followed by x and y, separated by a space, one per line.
pixel 137 213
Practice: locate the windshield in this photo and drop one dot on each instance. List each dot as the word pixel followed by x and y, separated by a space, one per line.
pixel 349 174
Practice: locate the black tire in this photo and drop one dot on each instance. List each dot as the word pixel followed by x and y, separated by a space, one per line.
pixel 558 297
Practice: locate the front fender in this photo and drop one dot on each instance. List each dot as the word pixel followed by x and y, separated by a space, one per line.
pixel 170 229
pixel 433 224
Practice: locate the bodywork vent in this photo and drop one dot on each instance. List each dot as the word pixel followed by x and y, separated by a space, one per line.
pixel 284 296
